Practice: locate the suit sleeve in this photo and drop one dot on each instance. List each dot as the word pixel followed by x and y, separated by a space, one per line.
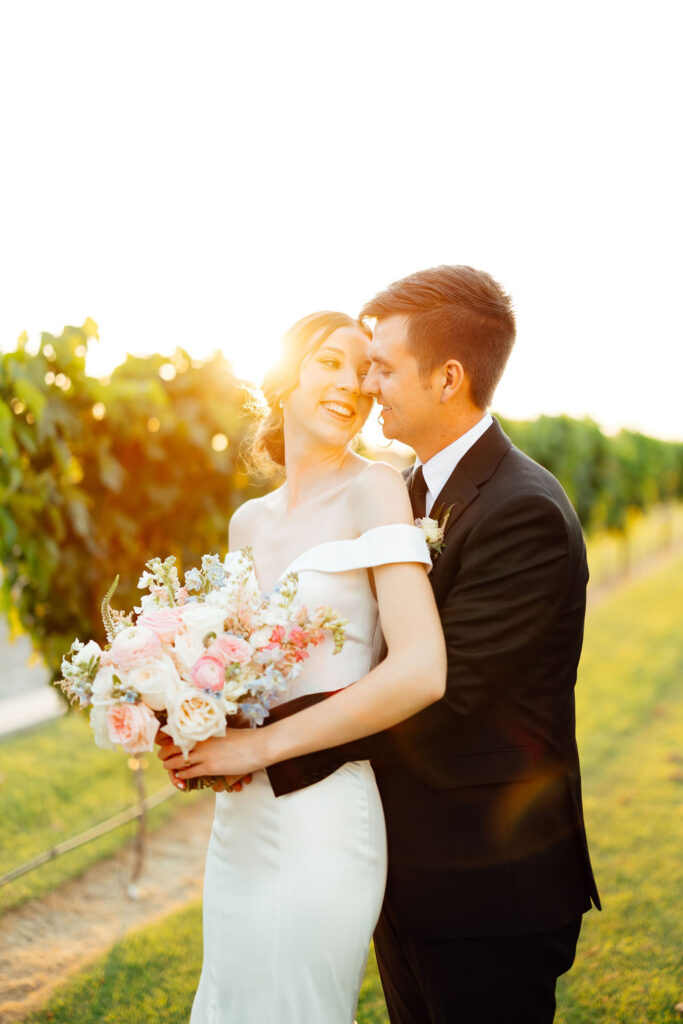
pixel 509 588
pixel 299 772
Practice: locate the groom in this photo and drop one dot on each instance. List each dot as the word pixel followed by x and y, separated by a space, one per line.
pixel 489 872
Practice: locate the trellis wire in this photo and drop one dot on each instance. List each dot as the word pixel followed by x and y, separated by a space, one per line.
pixel 130 814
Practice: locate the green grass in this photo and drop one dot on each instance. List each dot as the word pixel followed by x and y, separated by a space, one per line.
pixel 54 784
pixel 152 976
pixel 629 968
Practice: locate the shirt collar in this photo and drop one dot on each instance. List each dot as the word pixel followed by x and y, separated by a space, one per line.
pixel 438 469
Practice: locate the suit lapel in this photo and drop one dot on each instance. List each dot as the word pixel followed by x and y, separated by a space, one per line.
pixel 476 466
pixel 457 493
pixel 462 487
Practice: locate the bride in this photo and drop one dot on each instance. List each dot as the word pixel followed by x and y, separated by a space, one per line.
pixel 294 884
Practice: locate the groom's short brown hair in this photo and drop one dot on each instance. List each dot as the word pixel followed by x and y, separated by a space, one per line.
pixel 453 313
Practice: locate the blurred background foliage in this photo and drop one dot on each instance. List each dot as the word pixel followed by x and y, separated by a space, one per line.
pixel 605 477
pixel 97 476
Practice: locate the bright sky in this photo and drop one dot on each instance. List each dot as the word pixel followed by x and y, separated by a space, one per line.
pixel 204 174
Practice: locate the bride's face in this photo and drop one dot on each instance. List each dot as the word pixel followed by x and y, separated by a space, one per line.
pixel 327 401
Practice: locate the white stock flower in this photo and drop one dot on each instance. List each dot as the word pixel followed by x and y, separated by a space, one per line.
pixel 86 652
pixel 149 603
pixel 233 561
pixel 275 615
pixel 194 716
pixel 221 598
pixel 157 682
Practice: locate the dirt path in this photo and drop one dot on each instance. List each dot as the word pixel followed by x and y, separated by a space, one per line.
pixel 46 940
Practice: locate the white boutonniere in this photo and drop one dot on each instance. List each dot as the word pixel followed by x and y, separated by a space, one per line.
pixel 434 530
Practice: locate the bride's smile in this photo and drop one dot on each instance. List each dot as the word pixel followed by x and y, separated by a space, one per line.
pixel 327 407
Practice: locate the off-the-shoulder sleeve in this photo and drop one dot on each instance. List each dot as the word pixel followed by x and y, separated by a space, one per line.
pixel 396 542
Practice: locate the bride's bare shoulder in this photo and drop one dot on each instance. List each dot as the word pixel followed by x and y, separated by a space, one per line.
pixel 245 520
pixel 380 496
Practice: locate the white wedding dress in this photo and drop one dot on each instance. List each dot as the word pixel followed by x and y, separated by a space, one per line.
pixel 294 884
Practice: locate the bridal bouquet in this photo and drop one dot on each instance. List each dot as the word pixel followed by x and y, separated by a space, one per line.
pixel 194 654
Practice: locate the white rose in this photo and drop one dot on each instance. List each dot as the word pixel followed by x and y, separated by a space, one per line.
pixel 156 682
pixel 201 619
pixel 433 533
pixel 187 648
pixel 100 725
pixel 232 691
pixel 104 682
pixel 261 637
pixel 194 716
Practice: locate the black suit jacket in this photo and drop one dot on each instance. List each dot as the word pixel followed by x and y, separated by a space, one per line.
pixel 482 790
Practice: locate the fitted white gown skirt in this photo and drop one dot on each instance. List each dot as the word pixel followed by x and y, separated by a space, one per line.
pixel 294 884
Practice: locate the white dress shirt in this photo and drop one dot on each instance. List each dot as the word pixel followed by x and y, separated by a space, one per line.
pixel 438 469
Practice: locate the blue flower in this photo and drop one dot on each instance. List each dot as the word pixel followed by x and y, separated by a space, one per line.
pixel 193 579
pixel 256 713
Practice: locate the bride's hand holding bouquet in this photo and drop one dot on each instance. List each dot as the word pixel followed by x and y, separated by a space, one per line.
pixel 194 658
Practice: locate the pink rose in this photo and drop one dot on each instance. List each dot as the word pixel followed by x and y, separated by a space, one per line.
pixel 208 673
pixel 229 649
pixel 133 726
pixel 165 622
pixel 134 645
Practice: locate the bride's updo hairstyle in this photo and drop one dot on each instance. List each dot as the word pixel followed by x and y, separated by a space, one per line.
pixel 266 451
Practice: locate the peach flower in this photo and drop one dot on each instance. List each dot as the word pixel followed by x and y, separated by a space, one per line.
pixel 133 726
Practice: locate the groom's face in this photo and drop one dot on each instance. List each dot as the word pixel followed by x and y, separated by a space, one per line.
pixel 394 379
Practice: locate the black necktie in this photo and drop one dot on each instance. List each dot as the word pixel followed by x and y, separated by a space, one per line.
pixel 418 493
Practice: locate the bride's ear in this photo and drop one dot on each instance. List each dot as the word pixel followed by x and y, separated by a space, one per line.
pixel 452 379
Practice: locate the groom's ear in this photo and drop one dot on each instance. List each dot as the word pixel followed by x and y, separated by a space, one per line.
pixel 452 380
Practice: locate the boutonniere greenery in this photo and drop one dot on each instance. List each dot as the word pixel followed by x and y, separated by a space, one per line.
pixel 434 529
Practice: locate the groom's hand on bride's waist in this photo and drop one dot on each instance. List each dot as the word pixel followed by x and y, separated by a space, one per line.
pixel 307 769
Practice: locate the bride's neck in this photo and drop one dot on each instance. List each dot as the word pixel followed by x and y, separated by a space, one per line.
pixel 312 472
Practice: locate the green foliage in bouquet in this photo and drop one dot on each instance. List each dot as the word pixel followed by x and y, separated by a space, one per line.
pixel 97 476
